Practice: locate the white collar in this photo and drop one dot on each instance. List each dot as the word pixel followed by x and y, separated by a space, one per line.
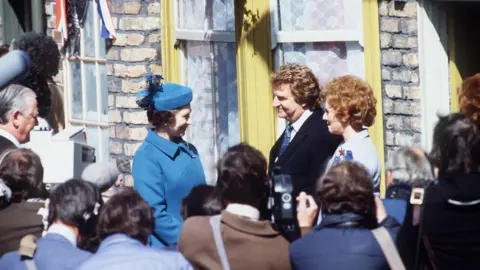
pixel 359 135
pixel 298 124
pixel 63 231
pixel 7 135
pixel 243 210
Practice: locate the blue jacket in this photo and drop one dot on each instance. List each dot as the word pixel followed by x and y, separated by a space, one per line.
pixel 164 172
pixel 332 246
pixel 119 251
pixel 54 252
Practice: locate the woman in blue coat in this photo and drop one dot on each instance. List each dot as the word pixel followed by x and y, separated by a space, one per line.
pixel 165 167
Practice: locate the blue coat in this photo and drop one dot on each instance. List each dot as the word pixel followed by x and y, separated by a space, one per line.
pixel 119 251
pixel 54 252
pixel 330 246
pixel 164 172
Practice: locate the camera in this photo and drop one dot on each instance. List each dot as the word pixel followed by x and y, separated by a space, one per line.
pixel 282 205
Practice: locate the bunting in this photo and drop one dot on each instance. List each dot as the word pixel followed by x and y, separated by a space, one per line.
pixel 107 28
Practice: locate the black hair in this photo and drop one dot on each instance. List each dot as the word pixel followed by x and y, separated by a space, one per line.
pixel 126 212
pixel 456 141
pixel 45 58
pixel 242 176
pixel 201 201
pixel 74 203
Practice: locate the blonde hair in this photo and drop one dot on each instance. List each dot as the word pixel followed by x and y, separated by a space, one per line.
pixel 303 84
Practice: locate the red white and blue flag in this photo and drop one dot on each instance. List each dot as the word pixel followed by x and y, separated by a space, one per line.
pixel 107 28
pixel 61 18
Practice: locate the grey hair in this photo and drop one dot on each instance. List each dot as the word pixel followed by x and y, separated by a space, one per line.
pixel 407 166
pixel 13 98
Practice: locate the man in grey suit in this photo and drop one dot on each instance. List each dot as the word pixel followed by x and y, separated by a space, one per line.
pixel 18 115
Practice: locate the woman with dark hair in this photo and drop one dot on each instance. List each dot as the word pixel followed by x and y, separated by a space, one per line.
pixel 250 243
pixel 21 174
pixel 72 217
pixel 124 225
pixel 451 219
pixel 165 167
pixel 343 239
pixel 201 201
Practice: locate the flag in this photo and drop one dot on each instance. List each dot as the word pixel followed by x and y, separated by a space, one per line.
pixel 61 18
pixel 106 22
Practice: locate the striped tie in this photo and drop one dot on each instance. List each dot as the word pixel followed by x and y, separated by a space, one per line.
pixel 286 139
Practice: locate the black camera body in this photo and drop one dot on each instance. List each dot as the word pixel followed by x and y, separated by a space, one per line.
pixel 282 205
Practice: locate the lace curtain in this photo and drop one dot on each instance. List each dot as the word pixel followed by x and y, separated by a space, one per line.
pixel 326 59
pixel 210 70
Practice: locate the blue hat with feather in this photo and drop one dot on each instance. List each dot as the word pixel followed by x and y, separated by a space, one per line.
pixel 163 96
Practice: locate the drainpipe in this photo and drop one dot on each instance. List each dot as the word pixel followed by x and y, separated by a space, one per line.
pixel 38 15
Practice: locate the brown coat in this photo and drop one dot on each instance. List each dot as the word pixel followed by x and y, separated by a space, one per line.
pixel 249 244
pixel 16 221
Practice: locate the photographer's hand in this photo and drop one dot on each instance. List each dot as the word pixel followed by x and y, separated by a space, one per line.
pixel 306 215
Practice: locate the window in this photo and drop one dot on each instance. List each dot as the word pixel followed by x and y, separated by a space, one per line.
pixel 86 83
pixel 205 32
pixel 325 35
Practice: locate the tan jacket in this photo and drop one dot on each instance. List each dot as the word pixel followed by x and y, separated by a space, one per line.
pixel 249 244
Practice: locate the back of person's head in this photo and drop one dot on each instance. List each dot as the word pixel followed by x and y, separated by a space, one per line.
pixel 409 166
pixel 242 176
pixel 75 203
pixel 126 213
pixel 201 201
pixel 347 188
pixel 22 171
pixel 456 142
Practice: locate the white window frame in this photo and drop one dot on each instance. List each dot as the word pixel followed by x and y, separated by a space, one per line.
pixel 67 78
pixel 279 37
pixel 433 67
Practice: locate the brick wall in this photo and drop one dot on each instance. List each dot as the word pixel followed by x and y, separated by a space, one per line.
pixel 400 74
pixel 135 52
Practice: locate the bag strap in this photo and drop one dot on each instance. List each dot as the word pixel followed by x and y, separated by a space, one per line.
pixel 30 264
pixel 215 223
pixel 388 247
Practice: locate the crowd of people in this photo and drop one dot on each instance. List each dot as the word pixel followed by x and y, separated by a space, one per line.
pixel 171 219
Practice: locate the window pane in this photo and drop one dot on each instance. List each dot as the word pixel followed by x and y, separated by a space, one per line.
pixel 105 142
pixel 227 96
pixel 76 83
pixel 327 60
pixel 210 14
pixel 104 93
pixel 91 88
pixel 215 124
pixel 92 140
pixel 89 33
pixel 319 14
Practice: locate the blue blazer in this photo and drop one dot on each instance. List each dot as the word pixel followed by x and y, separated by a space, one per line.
pixel 54 252
pixel 119 251
pixel 164 172
pixel 333 246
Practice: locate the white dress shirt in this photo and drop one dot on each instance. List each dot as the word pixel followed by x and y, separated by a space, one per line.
pixel 299 123
pixel 64 231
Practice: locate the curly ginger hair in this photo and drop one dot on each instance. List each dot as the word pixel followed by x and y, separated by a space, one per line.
pixel 352 100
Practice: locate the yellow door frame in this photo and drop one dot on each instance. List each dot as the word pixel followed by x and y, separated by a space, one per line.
pixel 455 76
pixel 371 38
pixel 170 55
pixel 254 65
